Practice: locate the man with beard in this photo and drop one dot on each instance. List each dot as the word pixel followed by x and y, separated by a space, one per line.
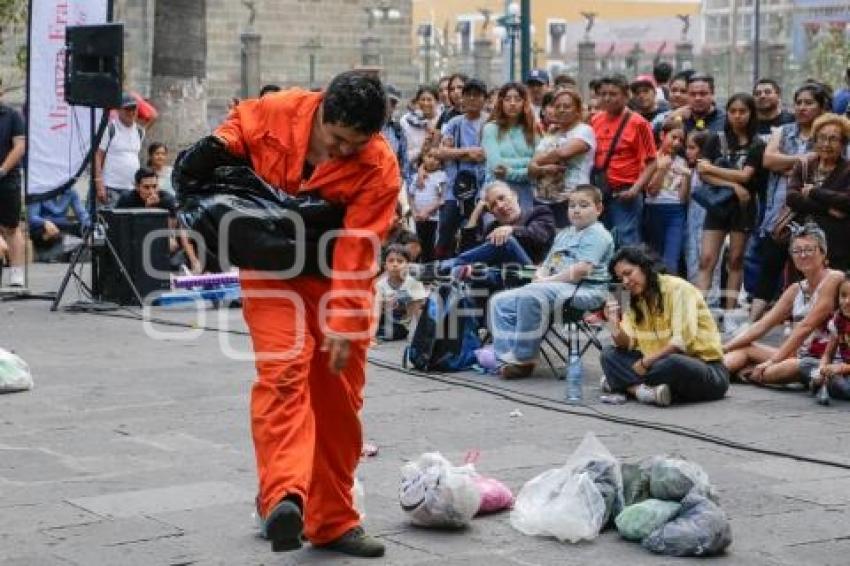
pixel 771 115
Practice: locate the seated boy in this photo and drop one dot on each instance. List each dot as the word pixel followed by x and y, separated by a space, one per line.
pixel 51 225
pixel 399 296
pixel 575 272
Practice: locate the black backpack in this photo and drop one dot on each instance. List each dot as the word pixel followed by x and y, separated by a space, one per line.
pixel 446 335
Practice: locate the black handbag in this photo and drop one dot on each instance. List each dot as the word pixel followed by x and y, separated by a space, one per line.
pixel 719 201
pixel 225 202
pixel 599 175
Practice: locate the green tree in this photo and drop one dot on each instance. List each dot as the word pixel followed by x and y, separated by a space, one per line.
pixel 829 55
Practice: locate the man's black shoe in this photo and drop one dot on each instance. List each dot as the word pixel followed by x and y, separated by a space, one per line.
pixel 284 525
pixel 356 543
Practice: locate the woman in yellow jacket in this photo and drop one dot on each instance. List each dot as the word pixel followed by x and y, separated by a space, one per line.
pixel 667 346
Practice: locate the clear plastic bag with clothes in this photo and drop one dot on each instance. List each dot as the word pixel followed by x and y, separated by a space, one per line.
pixel 637 521
pixel 571 503
pixel 434 493
pixel 700 529
pixel 674 478
pixel 15 374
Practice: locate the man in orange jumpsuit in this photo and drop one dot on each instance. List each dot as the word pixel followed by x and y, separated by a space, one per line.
pixel 309 333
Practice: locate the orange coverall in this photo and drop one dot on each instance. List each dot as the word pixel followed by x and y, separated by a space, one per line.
pixel 305 419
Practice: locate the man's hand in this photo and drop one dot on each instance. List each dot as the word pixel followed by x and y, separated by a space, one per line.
pixel 627 194
pixel 152 200
pixel 641 366
pixel 476 154
pixel 100 190
pixel 500 235
pixel 50 230
pixel 337 349
pixel 742 194
pixel 552 169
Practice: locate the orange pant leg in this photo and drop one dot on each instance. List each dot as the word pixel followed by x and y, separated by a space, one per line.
pixel 282 420
pixel 337 400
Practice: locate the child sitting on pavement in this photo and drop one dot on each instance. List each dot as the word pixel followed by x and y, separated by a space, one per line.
pixel 833 375
pixel 575 272
pixel 399 295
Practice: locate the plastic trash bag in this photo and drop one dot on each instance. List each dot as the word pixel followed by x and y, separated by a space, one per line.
pixel 567 503
pixel 225 202
pixel 637 521
pixel 673 478
pixel 700 529
pixel 495 496
pixel 434 493
pixel 14 373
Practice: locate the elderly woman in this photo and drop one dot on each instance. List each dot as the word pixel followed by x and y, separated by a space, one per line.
pixel 809 303
pixel 667 346
pixel 819 187
pixel 786 146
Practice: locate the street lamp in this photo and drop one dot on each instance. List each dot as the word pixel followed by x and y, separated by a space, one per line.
pixel 425 31
pixel 512 23
pixel 312 45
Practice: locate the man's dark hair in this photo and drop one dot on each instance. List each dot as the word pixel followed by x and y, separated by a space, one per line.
pixel 684 75
pixel 702 78
pixel 616 80
pixel 593 85
pixel 269 88
pixel 144 173
pixel 767 81
pixel 474 85
pixel 564 80
pixel 662 71
pixel 355 100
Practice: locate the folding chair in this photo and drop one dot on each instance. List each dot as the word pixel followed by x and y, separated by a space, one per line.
pixel 577 331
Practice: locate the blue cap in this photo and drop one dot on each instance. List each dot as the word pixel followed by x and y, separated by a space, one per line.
pixel 537 76
pixel 128 101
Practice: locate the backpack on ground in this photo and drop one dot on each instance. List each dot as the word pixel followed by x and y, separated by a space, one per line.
pixel 446 335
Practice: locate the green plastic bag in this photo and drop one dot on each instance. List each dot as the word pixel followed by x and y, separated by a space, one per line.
pixel 637 521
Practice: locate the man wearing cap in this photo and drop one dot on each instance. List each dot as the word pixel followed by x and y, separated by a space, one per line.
pixel 644 100
pixel 537 82
pixel 392 130
pixel 117 158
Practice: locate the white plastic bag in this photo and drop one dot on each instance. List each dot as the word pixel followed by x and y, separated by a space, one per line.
pixel 14 373
pixel 434 493
pixel 574 502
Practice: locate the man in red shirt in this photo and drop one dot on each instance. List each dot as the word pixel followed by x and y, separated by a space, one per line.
pixel 310 334
pixel 630 166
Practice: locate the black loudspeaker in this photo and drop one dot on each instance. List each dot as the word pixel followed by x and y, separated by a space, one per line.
pixel 126 230
pixel 93 65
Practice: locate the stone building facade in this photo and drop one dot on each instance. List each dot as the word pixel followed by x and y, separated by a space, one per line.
pixel 298 38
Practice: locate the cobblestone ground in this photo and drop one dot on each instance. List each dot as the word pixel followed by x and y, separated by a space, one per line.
pixel 132 450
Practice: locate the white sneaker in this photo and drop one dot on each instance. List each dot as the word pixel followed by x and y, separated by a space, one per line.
pixel 16 277
pixel 603 385
pixel 658 395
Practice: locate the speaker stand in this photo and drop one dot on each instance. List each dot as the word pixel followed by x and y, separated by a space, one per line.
pixel 91 236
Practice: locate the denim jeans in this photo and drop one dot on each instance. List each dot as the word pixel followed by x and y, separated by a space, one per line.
pixel 449 223
pixel 690 379
pixel 625 216
pixel 491 254
pixel 665 231
pixel 520 317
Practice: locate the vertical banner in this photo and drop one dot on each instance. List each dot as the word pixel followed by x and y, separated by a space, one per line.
pixel 57 133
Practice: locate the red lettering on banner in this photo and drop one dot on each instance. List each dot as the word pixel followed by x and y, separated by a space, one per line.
pixel 57 29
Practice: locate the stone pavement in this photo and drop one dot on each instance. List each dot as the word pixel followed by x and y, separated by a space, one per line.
pixel 133 450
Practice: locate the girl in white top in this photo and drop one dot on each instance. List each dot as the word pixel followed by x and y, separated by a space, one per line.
pixel 666 195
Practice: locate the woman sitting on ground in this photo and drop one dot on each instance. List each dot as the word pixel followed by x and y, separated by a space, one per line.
pixel 809 303
pixel 667 346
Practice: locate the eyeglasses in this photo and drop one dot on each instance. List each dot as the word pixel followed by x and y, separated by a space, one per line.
pixel 805 251
pixel 828 139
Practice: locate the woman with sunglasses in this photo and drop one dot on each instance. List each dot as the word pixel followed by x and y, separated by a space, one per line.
pixel 809 303
pixel 819 188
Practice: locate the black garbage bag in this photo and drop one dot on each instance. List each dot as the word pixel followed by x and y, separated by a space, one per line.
pixel 700 529
pixel 245 222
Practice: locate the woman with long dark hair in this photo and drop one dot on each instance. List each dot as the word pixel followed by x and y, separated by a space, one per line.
pixel 158 161
pixel 732 158
pixel 420 125
pixel 509 139
pixel 666 344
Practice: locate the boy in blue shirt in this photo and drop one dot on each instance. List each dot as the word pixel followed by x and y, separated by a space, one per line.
pixel 575 272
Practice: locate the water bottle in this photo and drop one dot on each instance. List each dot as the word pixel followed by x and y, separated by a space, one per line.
pixel 574 378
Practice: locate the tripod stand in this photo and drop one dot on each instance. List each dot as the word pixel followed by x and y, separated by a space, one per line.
pixel 94 236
